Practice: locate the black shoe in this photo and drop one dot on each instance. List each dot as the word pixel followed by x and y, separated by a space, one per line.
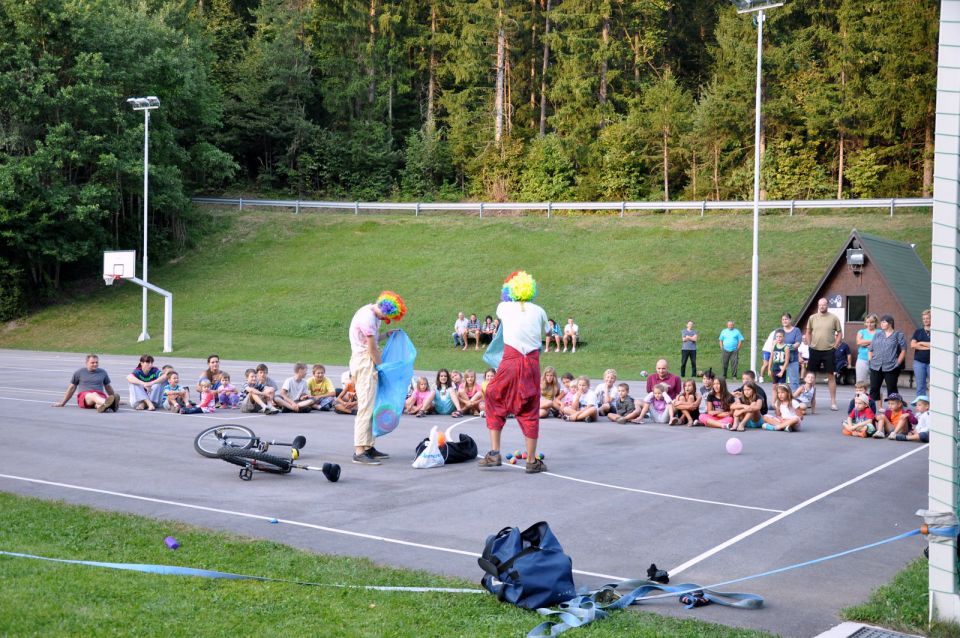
pixel 377 454
pixel 365 459
pixel 331 471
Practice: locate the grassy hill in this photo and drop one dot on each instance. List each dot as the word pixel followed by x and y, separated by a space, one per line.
pixel 277 286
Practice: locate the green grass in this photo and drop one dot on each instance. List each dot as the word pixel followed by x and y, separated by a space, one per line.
pixel 902 605
pixel 44 599
pixel 278 286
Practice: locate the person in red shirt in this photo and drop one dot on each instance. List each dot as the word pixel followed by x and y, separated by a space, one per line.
pixel 860 421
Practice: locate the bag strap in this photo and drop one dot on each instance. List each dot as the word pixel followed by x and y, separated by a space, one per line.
pixel 487 561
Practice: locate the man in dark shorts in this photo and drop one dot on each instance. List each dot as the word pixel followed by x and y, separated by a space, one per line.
pixel 92 384
pixel 823 334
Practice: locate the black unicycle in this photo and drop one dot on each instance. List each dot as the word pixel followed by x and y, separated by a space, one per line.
pixel 239 445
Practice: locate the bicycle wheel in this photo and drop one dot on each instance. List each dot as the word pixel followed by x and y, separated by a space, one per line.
pixel 256 459
pixel 212 439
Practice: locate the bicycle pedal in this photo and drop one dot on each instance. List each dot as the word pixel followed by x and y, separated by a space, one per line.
pixel 294 454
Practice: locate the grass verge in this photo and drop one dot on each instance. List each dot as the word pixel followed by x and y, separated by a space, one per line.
pixel 42 598
pixel 277 286
pixel 901 605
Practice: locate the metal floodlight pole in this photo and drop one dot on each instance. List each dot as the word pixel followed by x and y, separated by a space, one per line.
pixel 145 104
pixel 748 6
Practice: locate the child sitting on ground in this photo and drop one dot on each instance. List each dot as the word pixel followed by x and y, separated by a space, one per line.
pixel 208 397
pixel 583 406
pixel 420 401
pixel 806 393
pixel 606 392
pixel 719 402
pixel 895 420
pixel 687 405
pixel 624 409
pixel 706 389
pixel 862 387
pixel 748 410
pixel 787 411
pixel 860 420
pixel 921 431
pixel 227 396
pixel 175 396
pixel 487 378
pixel 658 405
pixel 252 396
pixel 321 389
pixel 470 395
pixel 550 390
pixel 346 402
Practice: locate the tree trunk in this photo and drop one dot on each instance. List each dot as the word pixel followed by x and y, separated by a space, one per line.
pixel 603 64
pixel 666 165
pixel 693 159
pixel 499 90
pixel 840 169
pixel 928 127
pixel 543 72
pixel 533 63
pixel 371 73
pixel 716 170
pixel 432 72
pixel 508 97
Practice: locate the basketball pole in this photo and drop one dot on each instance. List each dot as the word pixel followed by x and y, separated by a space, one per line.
pixel 145 104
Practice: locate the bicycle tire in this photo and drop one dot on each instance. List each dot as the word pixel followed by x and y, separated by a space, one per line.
pixel 209 442
pixel 256 459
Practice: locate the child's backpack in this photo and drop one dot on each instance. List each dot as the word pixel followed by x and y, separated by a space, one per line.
pixel 528 569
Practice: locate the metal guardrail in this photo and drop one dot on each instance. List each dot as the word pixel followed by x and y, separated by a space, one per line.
pixel 549 207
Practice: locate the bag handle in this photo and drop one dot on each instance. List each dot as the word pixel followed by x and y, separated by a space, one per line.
pixel 487 561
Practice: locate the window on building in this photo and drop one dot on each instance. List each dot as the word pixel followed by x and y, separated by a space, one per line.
pixel 856 308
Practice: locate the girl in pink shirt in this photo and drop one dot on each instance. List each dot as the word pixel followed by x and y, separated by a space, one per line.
pixel 420 401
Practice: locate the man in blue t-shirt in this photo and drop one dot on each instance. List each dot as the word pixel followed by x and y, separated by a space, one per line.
pixel 731 340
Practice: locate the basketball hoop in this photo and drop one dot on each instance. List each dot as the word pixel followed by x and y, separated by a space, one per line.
pixel 109 279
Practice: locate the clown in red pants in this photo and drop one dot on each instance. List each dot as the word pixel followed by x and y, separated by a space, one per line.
pixel 515 390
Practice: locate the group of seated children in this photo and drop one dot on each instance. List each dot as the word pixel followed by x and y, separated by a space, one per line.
pixel 454 393
pixel 896 423
pixel 151 388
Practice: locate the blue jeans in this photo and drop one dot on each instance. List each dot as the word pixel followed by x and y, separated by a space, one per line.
pixel 921 372
pixel 793 373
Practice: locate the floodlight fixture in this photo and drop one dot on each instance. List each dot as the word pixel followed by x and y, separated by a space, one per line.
pixel 145 104
pixel 749 6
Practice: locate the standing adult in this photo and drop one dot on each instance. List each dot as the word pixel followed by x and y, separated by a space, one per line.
pixel 365 338
pixel 823 333
pixel 688 349
pixel 792 338
pixel 93 386
pixel 731 340
pixel 921 353
pixel 864 337
pixel 515 389
pixel 887 352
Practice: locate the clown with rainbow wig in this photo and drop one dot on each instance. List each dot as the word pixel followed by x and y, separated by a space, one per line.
pixel 365 338
pixel 516 387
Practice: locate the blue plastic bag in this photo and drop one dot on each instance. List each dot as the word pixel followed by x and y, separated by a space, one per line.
pixel 494 353
pixel 393 379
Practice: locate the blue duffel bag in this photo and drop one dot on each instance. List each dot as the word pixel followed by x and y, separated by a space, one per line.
pixel 528 569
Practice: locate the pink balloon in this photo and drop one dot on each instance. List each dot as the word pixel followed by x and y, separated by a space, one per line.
pixel 734 445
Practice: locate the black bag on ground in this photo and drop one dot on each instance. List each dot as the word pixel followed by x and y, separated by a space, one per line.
pixel 453 452
pixel 528 569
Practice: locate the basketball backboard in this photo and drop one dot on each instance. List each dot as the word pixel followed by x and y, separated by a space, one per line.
pixel 118 264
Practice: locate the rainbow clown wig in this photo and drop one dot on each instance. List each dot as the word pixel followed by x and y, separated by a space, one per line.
pixel 519 286
pixel 391 305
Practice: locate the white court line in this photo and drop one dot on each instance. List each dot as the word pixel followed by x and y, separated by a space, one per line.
pixel 200 416
pixel 10 387
pixel 260 517
pixel 633 489
pixel 796 508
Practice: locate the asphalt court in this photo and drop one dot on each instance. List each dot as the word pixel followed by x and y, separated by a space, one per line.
pixel 618 496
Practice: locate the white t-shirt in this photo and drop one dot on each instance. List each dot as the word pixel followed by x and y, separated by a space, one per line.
pixel 587 399
pixel 295 389
pixel 789 409
pixel 768 344
pixel 923 422
pixel 460 325
pixel 364 324
pixel 601 391
pixel 571 329
pixel 523 325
